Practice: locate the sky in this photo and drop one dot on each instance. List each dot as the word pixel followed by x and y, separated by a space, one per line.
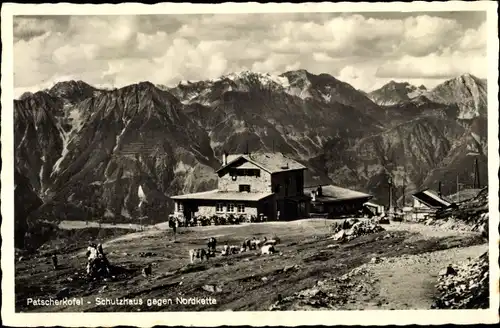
pixel 366 50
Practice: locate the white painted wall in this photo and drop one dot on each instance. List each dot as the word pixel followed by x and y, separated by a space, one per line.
pixel 211 210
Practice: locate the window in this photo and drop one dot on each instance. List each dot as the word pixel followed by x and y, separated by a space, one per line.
pixel 230 207
pixel 219 208
pixel 241 208
pixel 181 207
pixel 245 172
pixel 244 188
pixel 299 185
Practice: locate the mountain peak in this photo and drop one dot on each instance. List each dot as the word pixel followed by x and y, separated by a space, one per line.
pixel 394 92
pixel 71 84
pixel 146 85
pixel 467 91
pixel 72 91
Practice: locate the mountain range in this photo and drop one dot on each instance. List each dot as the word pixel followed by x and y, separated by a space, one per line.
pixel 85 151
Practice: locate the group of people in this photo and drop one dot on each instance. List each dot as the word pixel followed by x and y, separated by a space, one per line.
pixel 248 244
pixel 175 222
pixel 97 263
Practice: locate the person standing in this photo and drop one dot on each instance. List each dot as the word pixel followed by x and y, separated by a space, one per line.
pixel 54 262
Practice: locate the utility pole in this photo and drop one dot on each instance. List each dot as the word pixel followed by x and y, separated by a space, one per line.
pixel 404 186
pixel 404 192
pixel 390 194
pixel 476 174
pixel 458 190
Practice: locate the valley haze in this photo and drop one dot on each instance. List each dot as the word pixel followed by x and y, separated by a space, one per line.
pixel 200 159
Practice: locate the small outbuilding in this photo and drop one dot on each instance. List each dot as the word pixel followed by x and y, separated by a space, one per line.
pixel 333 201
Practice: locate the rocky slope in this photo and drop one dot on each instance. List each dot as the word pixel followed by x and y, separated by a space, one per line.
pixel 86 151
pixel 25 201
pixel 467 91
pixel 464 285
pixel 295 112
pixel 427 139
pixel 92 155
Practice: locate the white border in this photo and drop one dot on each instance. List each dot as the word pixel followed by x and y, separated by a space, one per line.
pixel 401 317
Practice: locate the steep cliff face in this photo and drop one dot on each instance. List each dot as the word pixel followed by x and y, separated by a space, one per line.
pixel 467 91
pixel 407 152
pixel 37 138
pixel 433 137
pixel 86 152
pixel 94 154
pixel 295 113
pixel 25 202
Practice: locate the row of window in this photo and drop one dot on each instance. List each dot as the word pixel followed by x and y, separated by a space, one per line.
pixel 219 208
pixel 244 172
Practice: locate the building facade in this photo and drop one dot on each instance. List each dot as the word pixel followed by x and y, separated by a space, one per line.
pixel 269 185
pixel 375 209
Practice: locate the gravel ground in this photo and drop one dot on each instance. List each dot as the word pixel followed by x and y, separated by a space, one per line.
pixel 425 231
pixel 408 282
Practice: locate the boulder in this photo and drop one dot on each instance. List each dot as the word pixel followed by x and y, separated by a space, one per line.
pixel 466 286
pixel 339 235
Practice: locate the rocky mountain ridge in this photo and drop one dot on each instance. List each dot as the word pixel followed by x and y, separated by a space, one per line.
pixel 86 151
pixel 466 91
pixel 395 92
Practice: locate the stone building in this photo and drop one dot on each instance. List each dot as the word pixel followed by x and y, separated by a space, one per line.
pixel 333 201
pixel 257 184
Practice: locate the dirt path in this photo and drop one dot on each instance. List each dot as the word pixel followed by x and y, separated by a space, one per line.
pixel 397 283
pixel 408 282
pixel 70 225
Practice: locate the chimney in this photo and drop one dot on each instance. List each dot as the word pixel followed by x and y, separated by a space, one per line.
pixel 320 191
pixel 247 150
pixel 224 158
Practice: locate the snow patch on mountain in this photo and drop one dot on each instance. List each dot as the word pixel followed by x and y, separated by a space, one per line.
pixel 75 120
pixel 302 93
pixel 119 136
pixel 394 93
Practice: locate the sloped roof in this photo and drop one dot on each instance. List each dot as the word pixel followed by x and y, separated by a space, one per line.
pixel 224 195
pixel 431 199
pixel 464 194
pixel 372 204
pixel 331 193
pixel 270 162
